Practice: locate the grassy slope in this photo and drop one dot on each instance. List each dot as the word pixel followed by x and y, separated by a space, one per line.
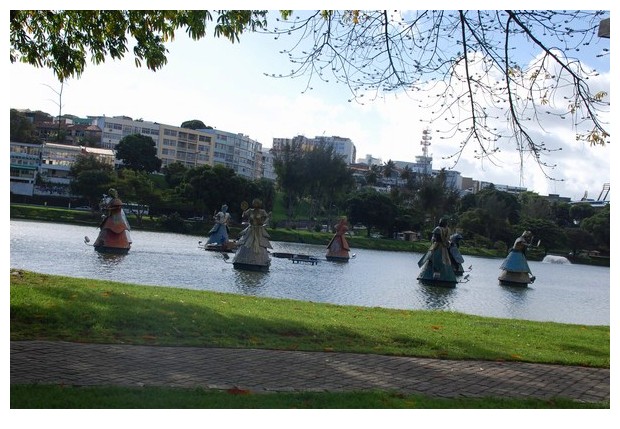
pixel 64 308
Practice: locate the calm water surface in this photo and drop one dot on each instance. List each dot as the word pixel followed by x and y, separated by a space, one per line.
pixel 563 293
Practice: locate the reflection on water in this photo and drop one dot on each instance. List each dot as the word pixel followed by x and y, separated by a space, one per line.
pixel 515 299
pixel 109 261
pixel 437 298
pixel 568 293
pixel 250 282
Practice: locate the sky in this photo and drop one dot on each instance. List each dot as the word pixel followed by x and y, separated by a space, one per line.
pixel 224 85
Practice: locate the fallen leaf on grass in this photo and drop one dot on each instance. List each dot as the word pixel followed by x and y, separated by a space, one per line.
pixel 237 391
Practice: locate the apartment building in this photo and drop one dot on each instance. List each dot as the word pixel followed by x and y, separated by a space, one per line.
pixel 191 148
pixel 25 161
pixel 43 169
pixel 56 162
pixel 238 152
pixel 342 146
pixel 114 129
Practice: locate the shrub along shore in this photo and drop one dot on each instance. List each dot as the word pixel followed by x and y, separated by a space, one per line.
pixel 201 229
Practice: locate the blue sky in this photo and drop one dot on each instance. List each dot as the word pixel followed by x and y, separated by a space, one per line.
pixel 224 85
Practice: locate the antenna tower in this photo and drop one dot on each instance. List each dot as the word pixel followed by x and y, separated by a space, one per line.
pixel 426 141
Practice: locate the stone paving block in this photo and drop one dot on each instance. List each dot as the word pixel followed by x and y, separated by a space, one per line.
pixel 277 370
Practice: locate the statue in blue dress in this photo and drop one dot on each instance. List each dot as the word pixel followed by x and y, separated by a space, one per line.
pixel 435 264
pixel 456 259
pixel 515 269
pixel 218 235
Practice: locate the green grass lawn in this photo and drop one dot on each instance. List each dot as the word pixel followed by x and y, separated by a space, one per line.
pixel 71 309
pixel 48 307
pixel 173 398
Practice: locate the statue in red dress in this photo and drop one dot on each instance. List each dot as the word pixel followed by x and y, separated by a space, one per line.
pixel 338 248
pixel 114 235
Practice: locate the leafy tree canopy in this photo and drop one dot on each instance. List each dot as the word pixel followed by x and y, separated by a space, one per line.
pixel 138 152
pixel 61 40
pixel 22 130
pixel 194 124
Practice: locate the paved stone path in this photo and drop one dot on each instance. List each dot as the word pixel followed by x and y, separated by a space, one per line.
pixel 78 364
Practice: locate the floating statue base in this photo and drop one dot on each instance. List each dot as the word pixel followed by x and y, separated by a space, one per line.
pixel 443 277
pixel 112 250
pixel 337 258
pixel 440 283
pixel 250 267
pixel 228 247
pixel 509 278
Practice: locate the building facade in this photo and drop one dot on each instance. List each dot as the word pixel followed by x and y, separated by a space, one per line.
pixel 192 148
pixel 237 151
pixel 24 166
pixel 342 146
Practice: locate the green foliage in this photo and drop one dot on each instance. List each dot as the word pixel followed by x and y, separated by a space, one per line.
pixel 173 223
pixel 138 188
pixel 138 152
pixel 194 124
pixel 533 206
pixel 599 226
pixel 174 173
pixel 106 397
pixel 550 235
pixel 579 239
pixel 373 209
pixel 61 40
pixel 436 198
pixel 91 178
pixel 22 130
pixel 299 178
pixel 581 211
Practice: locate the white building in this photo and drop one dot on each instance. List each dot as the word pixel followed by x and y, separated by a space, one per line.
pixel 342 146
pixel 113 129
pixel 25 161
pixel 190 147
pixel 56 162
pixel 237 151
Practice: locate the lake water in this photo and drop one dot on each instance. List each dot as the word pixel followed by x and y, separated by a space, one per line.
pixel 566 293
